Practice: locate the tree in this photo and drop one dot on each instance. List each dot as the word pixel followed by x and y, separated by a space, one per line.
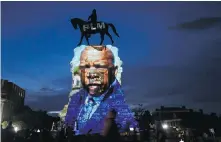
pixel 143 116
pixel 37 119
pixel 138 112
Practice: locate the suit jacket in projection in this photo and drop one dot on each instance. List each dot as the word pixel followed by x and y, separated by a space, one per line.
pixel 113 99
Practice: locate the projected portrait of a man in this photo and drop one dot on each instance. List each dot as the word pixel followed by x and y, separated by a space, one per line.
pixel 101 92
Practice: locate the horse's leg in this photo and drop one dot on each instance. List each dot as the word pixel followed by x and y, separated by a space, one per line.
pixel 102 38
pixel 87 40
pixel 108 34
pixel 81 39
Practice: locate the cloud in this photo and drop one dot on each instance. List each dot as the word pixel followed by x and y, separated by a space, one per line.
pixel 47 89
pixel 196 85
pixel 52 102
pixel 199 24
pixel 191 86
pixel 51 98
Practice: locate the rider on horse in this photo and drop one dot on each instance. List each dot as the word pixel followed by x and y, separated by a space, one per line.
pixel 93 18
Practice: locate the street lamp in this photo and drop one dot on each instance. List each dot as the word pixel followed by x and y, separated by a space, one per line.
pixel 131 129
pixel 165 126
pixel 16 129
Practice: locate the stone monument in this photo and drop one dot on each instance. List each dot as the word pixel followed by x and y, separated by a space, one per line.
pixel 96 89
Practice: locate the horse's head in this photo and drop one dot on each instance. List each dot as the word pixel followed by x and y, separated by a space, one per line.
pixel 76 21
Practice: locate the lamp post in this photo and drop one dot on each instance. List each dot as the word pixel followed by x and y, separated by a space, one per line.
pixel 16 129
pixel 213 133
pixel 165 126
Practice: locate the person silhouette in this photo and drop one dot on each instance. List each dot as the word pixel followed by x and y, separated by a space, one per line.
pixel 93 18
pixel 111 131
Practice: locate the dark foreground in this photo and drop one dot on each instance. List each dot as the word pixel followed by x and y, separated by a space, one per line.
pixel 48 136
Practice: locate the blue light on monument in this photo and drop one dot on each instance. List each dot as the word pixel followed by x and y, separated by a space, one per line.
pixel 87 113
pixel 115 100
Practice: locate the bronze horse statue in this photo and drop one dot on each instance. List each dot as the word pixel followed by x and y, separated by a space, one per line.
pixel 88 28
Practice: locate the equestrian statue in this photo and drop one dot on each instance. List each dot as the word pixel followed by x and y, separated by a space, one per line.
pixel 92 26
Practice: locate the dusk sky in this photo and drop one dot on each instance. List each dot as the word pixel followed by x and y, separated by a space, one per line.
pixel 171 50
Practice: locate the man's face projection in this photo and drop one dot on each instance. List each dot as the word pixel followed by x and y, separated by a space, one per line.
pixel 97 69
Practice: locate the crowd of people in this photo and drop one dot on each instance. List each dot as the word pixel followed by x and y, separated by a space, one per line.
pixel 65 134
pixel 110 133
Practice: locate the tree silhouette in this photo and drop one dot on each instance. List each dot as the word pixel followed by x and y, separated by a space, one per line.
pixel 143 116
pixel 31 119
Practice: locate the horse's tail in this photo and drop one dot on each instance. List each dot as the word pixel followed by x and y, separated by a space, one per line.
pixel 114 29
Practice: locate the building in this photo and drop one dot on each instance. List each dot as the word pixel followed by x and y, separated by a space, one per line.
pixel 172 116
pixel 12 99
pixel 174 120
